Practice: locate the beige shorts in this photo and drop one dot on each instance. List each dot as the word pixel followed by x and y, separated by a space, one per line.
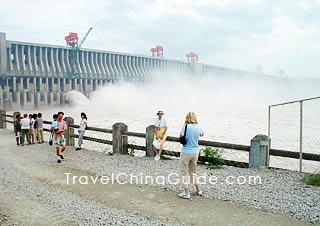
pixel 60 141
pixel 188 169
pixel 159 135
pixel 188 164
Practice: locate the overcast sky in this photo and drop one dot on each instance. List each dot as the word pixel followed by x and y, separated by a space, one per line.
pixel 241 34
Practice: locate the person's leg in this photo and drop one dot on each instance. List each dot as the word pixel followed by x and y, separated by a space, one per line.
pixel 41 135
pixel 161 144
pixel 38 135
pixel 56 137
pixel 63 148
pixel 23 135
pixel 28 136
pixel 60 138
pixel 154 148
pixel 183 170
pixel 17 138
pixel 193 173
pixel 58 153
pixel 80 140
pixel 31 136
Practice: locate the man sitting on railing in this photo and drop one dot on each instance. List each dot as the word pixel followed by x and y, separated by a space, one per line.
pixel 160 134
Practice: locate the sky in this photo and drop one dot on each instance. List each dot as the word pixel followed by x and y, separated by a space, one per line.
pixel 241 34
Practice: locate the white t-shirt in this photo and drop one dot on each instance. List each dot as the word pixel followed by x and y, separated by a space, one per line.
pixel 160 123
pixel 25 123
pixel 32 122
pixel 83 124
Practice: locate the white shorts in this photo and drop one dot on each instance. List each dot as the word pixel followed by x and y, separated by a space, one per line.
pixel 60 141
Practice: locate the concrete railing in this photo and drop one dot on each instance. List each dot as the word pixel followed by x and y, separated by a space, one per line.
pixel 257 149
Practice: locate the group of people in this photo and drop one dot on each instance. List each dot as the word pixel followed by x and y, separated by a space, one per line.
pixel 28 128
pixel 191 131
pixel 31 127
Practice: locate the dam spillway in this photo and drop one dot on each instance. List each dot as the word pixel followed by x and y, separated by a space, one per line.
pixel 35 75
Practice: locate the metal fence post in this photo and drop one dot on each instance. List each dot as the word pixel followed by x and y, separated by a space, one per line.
pixel 119 142
pixel 149 141
pixel 70 131
pixel 3 124
pixel 301 127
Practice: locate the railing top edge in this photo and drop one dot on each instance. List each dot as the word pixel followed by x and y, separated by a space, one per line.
pixel 296 101
pixel 97 129
pixel 135 134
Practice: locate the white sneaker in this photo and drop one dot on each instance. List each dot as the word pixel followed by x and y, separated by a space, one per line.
pixel 199 193
pixel 184 195
pixel 156 158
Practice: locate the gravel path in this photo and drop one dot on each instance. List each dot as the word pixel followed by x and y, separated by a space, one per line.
pixel 33 191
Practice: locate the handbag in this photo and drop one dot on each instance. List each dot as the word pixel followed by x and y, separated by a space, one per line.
pixel 51 139
pixel 183 139
pixel 156 144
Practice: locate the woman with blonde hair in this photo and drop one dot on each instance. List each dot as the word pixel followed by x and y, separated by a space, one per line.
pixel 189 155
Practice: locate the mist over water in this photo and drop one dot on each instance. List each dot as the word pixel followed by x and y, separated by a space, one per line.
pixel 229 109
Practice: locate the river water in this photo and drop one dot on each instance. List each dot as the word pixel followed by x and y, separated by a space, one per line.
pixel 231 110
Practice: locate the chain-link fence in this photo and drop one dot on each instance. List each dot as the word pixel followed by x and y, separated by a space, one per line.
pixel 294 132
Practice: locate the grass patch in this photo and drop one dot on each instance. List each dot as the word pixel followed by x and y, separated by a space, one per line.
pixel 211 157
pixel 165 157
pixel 213 167
pixel 313 180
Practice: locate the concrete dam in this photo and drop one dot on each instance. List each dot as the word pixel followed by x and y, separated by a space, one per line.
pixel 36 75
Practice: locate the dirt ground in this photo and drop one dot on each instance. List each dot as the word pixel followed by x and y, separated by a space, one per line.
pixel 18 207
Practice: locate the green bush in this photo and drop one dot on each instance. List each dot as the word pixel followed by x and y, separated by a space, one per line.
pixel 212 157
pixel 313 180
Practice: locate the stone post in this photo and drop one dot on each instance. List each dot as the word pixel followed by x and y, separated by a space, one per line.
pixel 258 155
pixel 119 142
pixel 3 124
pixel 69 132
pixel 149 141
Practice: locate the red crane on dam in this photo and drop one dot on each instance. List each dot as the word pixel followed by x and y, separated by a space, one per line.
pixel 72 42
pixel 157 52
pixel 192 57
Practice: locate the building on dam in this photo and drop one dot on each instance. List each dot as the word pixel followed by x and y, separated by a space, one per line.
pixel 36 75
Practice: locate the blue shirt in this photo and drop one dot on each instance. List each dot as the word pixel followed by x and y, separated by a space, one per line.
pixel 55 125
pixel 194 131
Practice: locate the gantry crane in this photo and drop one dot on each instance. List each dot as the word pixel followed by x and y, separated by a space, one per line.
pixel 72 42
